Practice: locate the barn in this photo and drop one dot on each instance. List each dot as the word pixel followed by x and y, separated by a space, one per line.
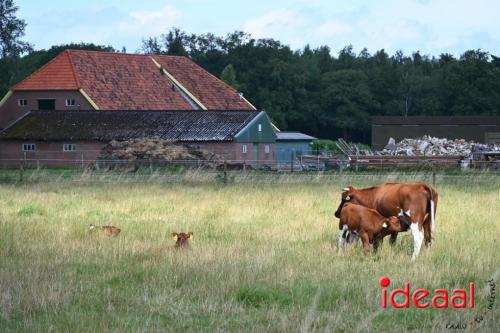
pixel 292 145
pixel 76 138
pixel 482 129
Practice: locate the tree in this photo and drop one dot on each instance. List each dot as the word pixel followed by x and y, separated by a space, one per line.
pixel 228 75
pixel 11 31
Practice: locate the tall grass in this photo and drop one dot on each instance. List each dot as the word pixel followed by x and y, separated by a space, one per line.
pixel 262 260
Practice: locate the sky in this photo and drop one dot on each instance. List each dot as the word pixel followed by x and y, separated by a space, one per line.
pixel 432 27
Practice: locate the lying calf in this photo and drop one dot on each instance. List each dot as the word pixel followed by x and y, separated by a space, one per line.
pixel 367 223
pixel 109 230
pixel 182 238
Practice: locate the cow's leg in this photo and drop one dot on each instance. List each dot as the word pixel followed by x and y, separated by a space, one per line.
pixel 427 232
pixel 352 237
pixel 418 238
pixel 341 240
pixel 366 243
pixel 393 238
pixel 376 245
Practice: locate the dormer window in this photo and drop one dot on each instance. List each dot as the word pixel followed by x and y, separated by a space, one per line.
pixel 22 102
pixel 70 102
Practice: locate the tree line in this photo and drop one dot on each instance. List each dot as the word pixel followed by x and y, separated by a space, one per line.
pixel 311 90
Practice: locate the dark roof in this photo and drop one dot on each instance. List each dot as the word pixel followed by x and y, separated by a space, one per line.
pixel 119 81
pixel 436 120
pixel 293 136
pixel 120 125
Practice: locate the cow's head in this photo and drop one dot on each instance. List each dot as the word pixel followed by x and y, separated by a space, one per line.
pixel 347 196
pixel 182 238
pixel 405 219
pixel 392 224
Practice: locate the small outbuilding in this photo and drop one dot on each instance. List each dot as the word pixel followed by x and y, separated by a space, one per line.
pixel 291 145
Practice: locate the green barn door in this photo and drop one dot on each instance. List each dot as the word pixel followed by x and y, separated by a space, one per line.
pixel 255 151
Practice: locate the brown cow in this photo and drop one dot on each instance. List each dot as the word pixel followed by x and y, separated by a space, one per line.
pixel 369 224
pixel 414 203
pixel 109 230
pixel 182 238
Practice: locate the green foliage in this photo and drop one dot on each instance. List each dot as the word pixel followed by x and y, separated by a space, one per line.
pixel 12 29
pixel 228 75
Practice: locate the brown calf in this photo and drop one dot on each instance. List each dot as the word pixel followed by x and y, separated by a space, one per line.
pixel 182 238
pixel 369 224
pixel 109 230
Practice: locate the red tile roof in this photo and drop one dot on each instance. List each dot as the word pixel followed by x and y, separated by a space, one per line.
pixel 211 91
pixel 57 74
pixel 118 81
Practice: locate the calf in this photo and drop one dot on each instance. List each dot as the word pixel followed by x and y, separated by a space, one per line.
pixel 182 238
pixel 109 230
pixel 369 224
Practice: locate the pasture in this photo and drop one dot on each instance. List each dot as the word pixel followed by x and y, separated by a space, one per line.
pixel 263 258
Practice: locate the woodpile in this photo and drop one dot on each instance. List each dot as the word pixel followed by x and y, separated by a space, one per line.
pixel 155 149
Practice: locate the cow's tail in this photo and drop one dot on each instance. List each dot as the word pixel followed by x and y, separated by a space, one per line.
pixel 432 209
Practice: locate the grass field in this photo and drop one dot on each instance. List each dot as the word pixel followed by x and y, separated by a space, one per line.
pixel 263 259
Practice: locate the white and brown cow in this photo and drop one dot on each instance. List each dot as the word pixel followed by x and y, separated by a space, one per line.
pixel 414 203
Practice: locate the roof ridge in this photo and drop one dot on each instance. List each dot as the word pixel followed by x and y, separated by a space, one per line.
pixel 77 80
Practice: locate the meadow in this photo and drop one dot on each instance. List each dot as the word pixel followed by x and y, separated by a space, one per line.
pixel 263 258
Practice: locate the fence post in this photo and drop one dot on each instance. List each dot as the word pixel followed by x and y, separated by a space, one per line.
pixel 21 171
pixel 150 166
pixel 433 174
pixel 83 164
pixel 291 161
pixel 225 172
pixel 244 165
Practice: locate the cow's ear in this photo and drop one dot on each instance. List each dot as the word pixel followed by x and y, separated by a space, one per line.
pixel 174 236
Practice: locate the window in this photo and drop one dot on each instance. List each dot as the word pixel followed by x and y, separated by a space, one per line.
pixel 69 147
pixel 29 147
pixel 244 149
pixel 46 104
pixel 22 102
pixel 266 149
pixel 70 102
pixel 260 127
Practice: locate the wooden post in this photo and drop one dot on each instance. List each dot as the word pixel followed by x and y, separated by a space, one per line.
pixel 244 165
pixel 291 161
pixel 21 171
pixel 150 165
pixel 433 174
pixel 225 172
pixel 83 164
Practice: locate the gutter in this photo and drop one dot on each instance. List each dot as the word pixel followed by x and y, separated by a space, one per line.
pixel 179 85
pixel 5 98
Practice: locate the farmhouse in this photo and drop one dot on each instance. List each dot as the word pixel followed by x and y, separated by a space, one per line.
pixel 480 129
pixel 89 80
pixel 75 138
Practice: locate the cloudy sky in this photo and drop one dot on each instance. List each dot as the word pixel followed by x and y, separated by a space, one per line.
pixel 431 26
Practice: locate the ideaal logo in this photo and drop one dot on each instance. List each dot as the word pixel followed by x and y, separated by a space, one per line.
pixel 460 298
pixel 440 298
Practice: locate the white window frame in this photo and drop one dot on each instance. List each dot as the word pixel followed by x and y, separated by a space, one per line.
pixel 69 147
pixel 69 100
pixel 22 102
pixel 244 149
pixel 26 145
pixel 260 127
pixel 267 149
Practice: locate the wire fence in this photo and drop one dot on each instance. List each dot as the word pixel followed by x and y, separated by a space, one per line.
pixel 303 169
